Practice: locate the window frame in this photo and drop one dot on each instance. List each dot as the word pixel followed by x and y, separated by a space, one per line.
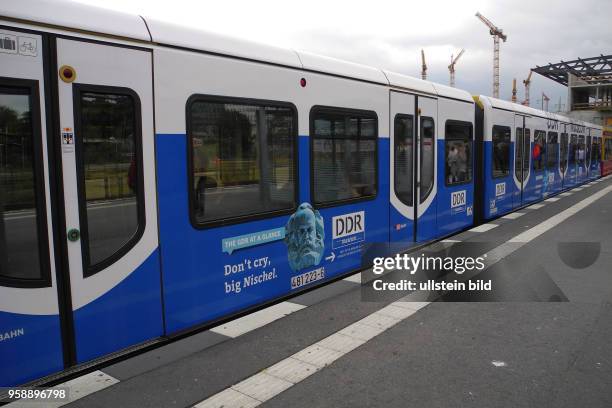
pixel 471 159
pixel 40 201
pixel 343 111
pixel 423 198
pixel 413 136
pixel 77 90
pixel 493 176
pixel 190 180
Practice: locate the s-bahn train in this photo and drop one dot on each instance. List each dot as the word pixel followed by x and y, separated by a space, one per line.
pixel 156 180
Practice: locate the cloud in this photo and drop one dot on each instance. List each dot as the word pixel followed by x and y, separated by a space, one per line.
pixel 390 34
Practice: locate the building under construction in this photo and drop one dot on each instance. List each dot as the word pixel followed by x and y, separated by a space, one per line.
pixel 589 87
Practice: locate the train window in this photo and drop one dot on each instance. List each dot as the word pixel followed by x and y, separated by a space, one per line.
pixel 596 151
pixel 522 148
pixel 580 151
pixel 518 154
pixel 538 151
pixel 608 148
pixel 344 155
pixel 242 158
pixel 403 153
pixel 526 155
pixel 563 153
pixel 458 152
pixel 573 150
pixel 110 177
pixel 23 253
pixel 551 150
pixel 587 152
pixel 427 151
pixel 500 151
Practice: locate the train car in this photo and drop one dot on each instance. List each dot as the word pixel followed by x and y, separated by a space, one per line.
pixel 595 156
pixel 522 158
pixel 157 180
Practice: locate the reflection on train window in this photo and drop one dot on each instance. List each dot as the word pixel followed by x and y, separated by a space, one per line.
pixel 109 130
pixel 551 150
pixel 563 152
pixel 522 147
pixel 538 150
pixel 403 148
pixel 573 150
pixel 19 218
pixel 344 146
pixel 500 151
pixel 428 140
pixel 242 157
pixel 458 152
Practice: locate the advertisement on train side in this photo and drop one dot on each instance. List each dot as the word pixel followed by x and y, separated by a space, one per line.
pixel 329 204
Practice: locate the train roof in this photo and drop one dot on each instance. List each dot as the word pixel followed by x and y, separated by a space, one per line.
pixel 98 21
pixel 527 110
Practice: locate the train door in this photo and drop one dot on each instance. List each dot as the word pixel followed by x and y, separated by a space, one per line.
pixel 30 323
pixel 105 107
pixel 426 186
pixel 413 158
pixel 522 156
pixel 402 192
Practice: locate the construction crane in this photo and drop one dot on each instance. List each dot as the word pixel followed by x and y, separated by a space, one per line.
pixel 424 66
pixel 513 90
pixel 527 82
pixel 451 67
pixel 497 33
pixel 545 100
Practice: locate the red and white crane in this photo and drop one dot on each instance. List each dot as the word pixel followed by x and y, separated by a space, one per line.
pixel 451 67
pixel 497 33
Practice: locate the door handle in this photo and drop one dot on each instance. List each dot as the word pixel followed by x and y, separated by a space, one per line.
pixel 73 235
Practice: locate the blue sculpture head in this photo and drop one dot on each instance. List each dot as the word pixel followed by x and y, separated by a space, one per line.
pixel 305 237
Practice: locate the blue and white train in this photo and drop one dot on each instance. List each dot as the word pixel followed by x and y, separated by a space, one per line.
pixel 156 180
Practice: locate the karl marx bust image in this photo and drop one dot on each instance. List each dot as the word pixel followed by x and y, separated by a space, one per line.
pixel 304 236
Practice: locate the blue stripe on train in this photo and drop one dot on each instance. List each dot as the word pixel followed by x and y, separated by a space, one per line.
pixel 31 347
pixel 127 315
pixel 202 283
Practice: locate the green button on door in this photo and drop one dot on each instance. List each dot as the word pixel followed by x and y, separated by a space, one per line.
pixel 73 235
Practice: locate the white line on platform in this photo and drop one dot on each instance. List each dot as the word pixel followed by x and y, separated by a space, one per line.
pixel 555 220
pixel 553 199
pixel 536 206
pixel 483 228
pixel 355 278
pixel 566 194
pixel 256 320
pixel 578 189
pixel 513 215
pixel 77 389
pixel 275 379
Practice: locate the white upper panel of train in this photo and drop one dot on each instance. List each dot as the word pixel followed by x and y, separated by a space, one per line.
pixel 75 16
pixel 107 23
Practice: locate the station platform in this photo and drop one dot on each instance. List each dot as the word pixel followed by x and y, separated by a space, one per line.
pixel 540 339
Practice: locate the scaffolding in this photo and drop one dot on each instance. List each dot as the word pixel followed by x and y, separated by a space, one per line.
pixel 589 81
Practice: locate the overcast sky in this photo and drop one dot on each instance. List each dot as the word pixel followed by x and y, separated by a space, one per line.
pixel 390 34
